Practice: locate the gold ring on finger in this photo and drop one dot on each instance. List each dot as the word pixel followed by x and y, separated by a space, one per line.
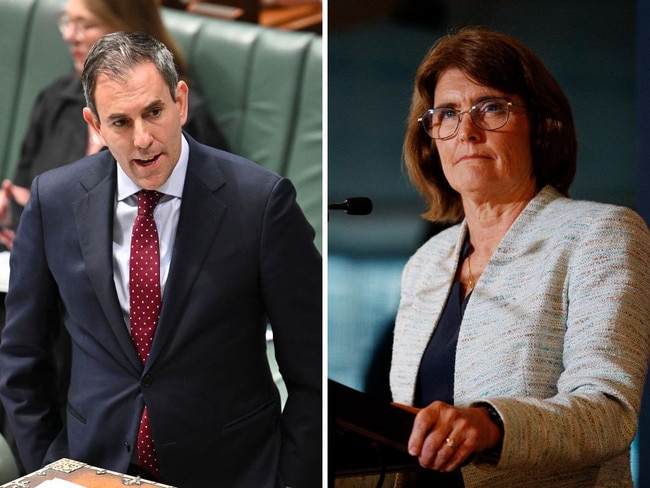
pixel 450 443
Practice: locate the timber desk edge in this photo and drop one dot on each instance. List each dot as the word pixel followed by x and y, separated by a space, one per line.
pixel 82 474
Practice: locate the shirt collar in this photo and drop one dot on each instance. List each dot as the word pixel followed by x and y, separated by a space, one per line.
pixel 172 187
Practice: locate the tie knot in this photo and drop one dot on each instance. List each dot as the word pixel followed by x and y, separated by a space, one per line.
pixel 147 201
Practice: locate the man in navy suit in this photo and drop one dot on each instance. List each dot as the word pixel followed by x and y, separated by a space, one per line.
pixel 236 253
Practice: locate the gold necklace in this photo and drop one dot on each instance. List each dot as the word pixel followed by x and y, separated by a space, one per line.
pixel 470 281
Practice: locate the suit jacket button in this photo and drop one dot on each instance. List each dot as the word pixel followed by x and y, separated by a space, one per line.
pixel 147 380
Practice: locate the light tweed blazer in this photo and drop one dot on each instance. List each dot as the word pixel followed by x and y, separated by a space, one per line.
pixel 555 336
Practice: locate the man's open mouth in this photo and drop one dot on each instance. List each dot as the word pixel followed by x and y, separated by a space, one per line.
pixel 147 162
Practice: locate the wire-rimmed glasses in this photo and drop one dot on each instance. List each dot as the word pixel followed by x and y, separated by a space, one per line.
pixel 79 26
pixel 490 114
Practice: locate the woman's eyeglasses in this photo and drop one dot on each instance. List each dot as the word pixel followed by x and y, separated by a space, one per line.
pixel 79 26
pixel 490 114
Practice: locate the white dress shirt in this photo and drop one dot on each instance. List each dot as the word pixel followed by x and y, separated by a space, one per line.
pixel 165 214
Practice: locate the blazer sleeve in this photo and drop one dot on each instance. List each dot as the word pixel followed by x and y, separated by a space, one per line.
pixel 28 379
pixel 593 416
pixel 291 274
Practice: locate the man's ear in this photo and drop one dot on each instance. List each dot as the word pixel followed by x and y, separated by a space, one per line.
pixel 182 100
pixel 93 123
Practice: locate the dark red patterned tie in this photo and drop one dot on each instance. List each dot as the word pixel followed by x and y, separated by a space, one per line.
pixel 144 292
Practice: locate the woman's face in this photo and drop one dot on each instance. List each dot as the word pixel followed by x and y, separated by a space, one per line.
pixel 81 29
pixel 483 165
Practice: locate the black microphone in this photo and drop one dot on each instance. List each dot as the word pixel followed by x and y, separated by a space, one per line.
pixel 353 206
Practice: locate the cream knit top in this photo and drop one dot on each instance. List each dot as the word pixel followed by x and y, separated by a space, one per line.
pixel 556 336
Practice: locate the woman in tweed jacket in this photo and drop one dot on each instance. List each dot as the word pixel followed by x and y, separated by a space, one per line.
pixel 522 335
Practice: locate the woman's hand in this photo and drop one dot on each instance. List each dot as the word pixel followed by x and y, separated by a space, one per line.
pixel 20 194
pixel 5 198
pixel 444 437
pixel 9 192
pixel 7 237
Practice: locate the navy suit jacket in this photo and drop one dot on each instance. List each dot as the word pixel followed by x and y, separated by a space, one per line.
pixel 243 257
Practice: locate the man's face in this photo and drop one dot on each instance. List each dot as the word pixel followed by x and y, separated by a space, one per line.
pixel 140 123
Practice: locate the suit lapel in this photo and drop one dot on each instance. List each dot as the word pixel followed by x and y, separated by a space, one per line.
pixel 95 241
pixel 201 215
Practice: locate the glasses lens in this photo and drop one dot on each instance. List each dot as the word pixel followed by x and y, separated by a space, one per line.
pixel 78 26
pixel 63 21
pixel 491 114
pixel 441 122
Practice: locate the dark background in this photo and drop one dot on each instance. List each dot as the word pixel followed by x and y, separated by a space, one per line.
pixel 599 51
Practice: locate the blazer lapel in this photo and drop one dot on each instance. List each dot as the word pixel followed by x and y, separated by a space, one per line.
pixel 95 241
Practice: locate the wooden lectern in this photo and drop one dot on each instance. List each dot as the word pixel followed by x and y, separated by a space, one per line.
pixel 368 440
pixel 80 474
pixel 366 436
